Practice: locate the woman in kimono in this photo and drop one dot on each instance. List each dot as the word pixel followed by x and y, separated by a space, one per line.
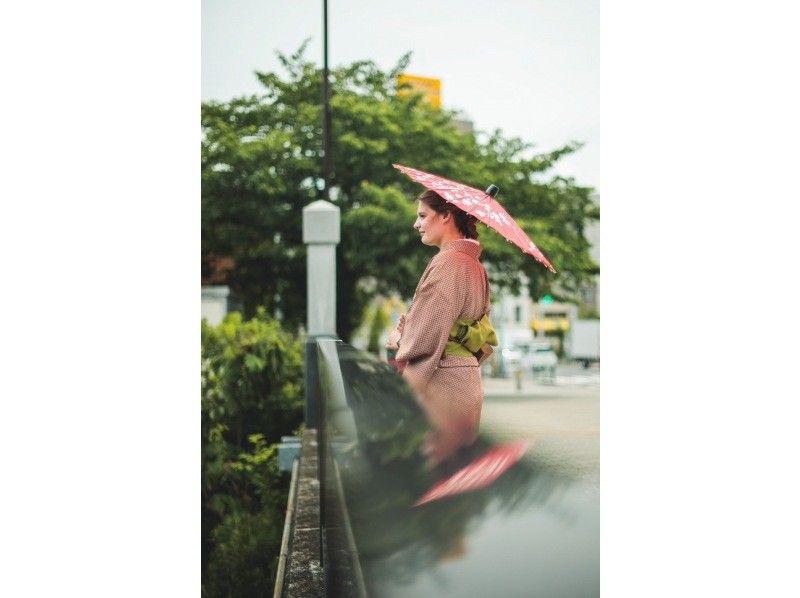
pixel 453 290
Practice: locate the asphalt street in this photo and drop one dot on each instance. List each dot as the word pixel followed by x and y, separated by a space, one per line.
pixel 561 417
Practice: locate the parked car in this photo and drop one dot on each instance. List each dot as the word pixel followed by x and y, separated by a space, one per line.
pixel 511 355
pixel 539 357
pixel 507 361
pixel 533 357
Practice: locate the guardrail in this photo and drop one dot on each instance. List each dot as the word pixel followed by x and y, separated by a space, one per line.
pixel 373 516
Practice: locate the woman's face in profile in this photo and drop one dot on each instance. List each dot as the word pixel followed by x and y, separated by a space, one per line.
pixel 429 224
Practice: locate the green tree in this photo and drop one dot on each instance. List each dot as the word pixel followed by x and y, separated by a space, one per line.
pixel 261 164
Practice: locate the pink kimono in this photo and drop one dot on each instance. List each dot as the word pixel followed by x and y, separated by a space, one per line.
pixel 453 287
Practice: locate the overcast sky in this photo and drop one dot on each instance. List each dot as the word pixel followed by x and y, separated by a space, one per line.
pixel 528 67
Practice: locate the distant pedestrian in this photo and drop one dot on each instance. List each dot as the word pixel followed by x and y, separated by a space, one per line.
pixel 446 331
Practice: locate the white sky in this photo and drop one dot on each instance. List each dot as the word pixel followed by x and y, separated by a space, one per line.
pixel 528 67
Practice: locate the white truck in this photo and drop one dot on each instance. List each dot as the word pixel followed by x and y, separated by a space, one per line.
pixel 584 341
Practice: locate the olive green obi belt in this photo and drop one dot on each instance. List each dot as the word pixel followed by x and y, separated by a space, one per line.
pixel 470 338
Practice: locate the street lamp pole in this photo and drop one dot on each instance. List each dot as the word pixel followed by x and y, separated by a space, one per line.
pixel 326 105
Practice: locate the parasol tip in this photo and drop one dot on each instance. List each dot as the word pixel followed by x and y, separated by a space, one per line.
pixel 492 190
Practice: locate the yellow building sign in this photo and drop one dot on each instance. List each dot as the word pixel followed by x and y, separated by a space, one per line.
pixel 432 88
pixel 550 325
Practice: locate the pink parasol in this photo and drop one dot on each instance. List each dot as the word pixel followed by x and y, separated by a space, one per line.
pixel 478 474
pixel 480 204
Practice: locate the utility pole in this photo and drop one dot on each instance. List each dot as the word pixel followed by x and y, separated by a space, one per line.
pixel 326 106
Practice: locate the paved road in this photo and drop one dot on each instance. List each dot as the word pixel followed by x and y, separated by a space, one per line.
pixel 566 374
pixel 563 420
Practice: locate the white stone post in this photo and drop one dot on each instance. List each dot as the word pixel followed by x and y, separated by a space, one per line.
pixel 321 224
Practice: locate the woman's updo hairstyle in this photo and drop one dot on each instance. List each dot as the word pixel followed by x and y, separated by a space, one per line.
pixel 464 222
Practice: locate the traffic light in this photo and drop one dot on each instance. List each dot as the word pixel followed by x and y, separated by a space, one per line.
pixel 547 300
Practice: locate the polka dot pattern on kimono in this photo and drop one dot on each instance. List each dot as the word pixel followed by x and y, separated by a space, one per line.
pixel 452 287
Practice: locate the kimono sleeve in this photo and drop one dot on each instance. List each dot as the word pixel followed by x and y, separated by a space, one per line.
pixel 427 327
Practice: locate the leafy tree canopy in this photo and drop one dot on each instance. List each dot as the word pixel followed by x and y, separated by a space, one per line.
pixel 262 163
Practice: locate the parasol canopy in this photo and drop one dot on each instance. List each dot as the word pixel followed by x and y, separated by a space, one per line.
pixel 480 204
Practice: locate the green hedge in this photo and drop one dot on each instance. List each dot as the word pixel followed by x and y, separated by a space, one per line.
pixel 251 395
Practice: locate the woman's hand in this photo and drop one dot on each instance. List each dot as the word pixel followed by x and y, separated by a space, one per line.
pixel 394 339
pixel 401 324
pixel 394 336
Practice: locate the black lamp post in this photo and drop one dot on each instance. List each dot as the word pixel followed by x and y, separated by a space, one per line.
pixel 326 105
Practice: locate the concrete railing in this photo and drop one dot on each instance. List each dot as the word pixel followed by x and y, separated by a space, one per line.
pixel 317 524
pixel 300 572
pixel 372 516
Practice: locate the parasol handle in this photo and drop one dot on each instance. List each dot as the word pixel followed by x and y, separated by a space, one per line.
pixel 492 190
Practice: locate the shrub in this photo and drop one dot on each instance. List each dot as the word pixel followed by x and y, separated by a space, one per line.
pixel 251 395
